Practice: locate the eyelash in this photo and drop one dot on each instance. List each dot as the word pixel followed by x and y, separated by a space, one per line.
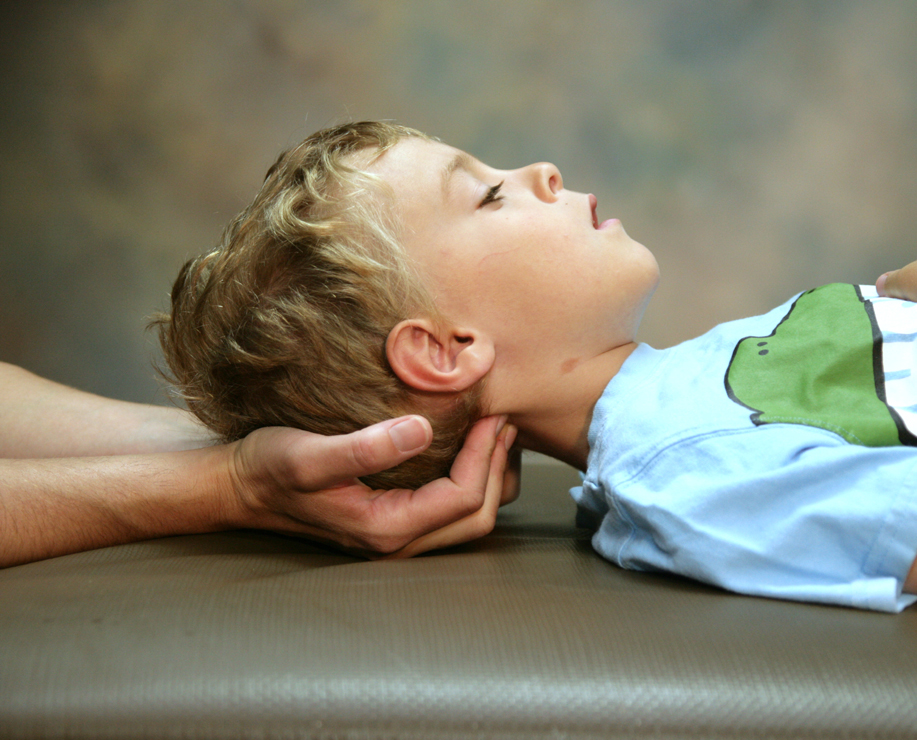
pixel 492 195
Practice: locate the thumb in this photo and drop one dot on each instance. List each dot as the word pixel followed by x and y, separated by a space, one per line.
pixel 899 283
pixel 375 448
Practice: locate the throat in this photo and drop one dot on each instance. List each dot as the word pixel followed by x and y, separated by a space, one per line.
pixel 557 420
pixel 573 454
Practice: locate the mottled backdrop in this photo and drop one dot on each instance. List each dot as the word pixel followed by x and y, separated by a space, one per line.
pixel 756 147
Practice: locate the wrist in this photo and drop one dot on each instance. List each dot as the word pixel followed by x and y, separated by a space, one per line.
pixel 189 492
pixel 219 487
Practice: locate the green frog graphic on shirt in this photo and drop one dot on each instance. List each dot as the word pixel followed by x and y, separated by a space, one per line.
pixel 841 360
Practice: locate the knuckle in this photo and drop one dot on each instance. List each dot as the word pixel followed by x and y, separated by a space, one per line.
pixel 362 453
pixel 385 543
pixel 483 525
pixel 472 499
pixel 377 535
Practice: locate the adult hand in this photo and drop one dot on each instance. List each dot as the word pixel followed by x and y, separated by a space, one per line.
pixel 477 524
pixel 899 283
pixel 79 471
pixel 299 483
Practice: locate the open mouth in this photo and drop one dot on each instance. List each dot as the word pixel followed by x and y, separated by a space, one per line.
pixel 607 224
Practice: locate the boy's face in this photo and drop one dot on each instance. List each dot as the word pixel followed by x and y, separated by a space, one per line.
pixel 515 254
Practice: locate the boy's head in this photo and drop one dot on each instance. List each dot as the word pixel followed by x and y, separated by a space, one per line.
pixel 378 273
pixel 286 322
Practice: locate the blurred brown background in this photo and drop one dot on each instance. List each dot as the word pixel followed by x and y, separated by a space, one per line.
pixel 758 148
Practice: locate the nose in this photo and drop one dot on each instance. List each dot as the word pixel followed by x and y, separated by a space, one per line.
pixel 546 180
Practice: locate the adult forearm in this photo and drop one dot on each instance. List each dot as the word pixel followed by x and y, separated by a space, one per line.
pixel 278 479
pixel 41 418
pixel 55 507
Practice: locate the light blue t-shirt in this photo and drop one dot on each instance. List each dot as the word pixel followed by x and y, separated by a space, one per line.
pixel 772 456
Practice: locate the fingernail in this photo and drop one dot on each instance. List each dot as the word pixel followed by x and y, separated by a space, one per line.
pixel 408 435
pixel 880 283
pixel 501 422
pixel 510 437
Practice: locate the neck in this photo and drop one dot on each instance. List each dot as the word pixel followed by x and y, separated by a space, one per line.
pixel 559 427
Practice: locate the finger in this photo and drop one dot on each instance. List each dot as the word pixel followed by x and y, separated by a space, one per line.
pixel 473 526
pixel 899 283
pixel 411 514
pixel 338 459
pixel 512 478
pixel 473 465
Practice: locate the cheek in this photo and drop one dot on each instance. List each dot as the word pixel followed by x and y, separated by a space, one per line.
pixel 516 271
pixel 462 287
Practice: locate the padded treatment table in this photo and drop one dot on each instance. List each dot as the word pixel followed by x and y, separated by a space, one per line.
pixel 524 634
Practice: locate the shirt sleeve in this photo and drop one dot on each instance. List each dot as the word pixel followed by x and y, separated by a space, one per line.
pixel 767 512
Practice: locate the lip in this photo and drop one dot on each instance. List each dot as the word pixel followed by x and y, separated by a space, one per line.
pixel 593 206
pixel 608 223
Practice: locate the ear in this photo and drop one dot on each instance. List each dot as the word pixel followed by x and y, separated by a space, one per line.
pixel 428 358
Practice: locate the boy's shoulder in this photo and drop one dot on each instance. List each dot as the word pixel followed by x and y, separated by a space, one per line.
pixel 736 447
pixel 829 359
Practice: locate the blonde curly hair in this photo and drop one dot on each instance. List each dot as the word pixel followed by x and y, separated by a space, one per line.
pixel 285 323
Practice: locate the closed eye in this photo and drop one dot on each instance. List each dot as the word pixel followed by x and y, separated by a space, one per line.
pixel 492 196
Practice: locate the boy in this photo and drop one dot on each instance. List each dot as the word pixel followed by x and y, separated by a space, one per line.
pixel 379 272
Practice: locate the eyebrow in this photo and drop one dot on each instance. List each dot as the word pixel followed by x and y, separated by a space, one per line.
pixel 461 161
